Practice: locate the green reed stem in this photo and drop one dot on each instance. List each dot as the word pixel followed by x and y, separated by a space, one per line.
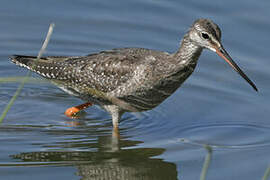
pixel 10 103
pixel 12 100
pixel 206 162
pixel 19 79
pixel 266 174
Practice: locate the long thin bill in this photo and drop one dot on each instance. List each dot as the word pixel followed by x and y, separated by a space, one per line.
pixel 222 53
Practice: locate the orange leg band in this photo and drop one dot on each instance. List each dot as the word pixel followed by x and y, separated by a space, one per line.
pixel 71 112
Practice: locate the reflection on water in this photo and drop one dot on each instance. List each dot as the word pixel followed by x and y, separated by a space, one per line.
pixel 111 160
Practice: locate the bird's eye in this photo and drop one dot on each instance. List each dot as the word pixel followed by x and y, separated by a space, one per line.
pixel 205 36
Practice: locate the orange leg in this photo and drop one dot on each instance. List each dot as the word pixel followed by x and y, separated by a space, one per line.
pixel 71 112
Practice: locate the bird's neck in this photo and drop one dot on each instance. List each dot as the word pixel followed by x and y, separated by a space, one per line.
pixel 188 53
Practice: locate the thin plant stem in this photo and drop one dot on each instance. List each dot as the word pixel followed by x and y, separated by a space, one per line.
pixel 207 162
pixel 266 174
pixel 12 100
pixel 19 79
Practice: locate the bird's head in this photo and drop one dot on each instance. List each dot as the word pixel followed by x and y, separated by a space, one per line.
pixel 206 34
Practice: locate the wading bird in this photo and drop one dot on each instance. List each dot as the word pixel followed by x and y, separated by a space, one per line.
pixel 130 79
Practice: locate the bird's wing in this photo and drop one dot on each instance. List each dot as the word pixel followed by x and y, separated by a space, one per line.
pixel 102 71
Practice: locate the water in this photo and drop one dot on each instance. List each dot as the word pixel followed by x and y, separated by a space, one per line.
pixel 215 105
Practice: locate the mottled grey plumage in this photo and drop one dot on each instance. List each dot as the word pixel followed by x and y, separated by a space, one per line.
pixel 127 79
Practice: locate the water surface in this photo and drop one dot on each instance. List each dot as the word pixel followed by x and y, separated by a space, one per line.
pixel 215 105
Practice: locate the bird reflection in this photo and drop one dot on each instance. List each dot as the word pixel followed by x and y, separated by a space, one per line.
pixel 109 158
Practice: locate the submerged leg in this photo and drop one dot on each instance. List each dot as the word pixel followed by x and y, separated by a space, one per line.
pixel 71 112
pixel 116 114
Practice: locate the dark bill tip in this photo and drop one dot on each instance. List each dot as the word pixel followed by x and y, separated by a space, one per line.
pixel 222 53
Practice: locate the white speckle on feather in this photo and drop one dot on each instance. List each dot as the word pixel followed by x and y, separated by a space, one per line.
pixel 150 58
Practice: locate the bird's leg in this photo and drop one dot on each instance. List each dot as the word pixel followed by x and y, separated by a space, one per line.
pixel 116 113
pixel 71 112
pixel 115 132
pixel 115 120
pixel 116 116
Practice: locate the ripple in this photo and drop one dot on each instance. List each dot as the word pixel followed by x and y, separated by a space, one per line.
pixel 227 135
pixel 143 123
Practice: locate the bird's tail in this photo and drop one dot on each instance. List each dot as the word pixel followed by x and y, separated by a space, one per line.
pixel 43 66
pixel 24 61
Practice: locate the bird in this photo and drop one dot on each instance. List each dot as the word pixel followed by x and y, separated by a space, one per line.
pixel 129 79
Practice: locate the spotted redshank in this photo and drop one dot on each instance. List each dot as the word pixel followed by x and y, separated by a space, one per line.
pixel 130 79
